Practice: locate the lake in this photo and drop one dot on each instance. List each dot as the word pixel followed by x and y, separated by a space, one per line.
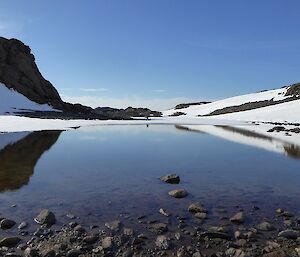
pixel 112 172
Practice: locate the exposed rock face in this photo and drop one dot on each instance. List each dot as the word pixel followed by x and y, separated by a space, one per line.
pixel 19 72
pixel 128 112
pixel 186 105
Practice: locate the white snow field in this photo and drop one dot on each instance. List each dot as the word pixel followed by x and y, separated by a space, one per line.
pixel 204 109
pixel 11 101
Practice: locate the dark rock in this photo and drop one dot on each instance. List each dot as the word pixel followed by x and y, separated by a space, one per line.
pixel 9 241
pixel 220 235
pixel 45 217
pixel 171 178
pixel 289 234
pixel 196 207
pixel 178 193
pixel 90 239
pixel 159 228
pixel 74 253
pixel 7 224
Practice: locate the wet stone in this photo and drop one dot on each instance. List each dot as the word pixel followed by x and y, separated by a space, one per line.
pixel 238 218
pixel 7 223
pixel 171 179
pixel 45 217
pixel 9 241
pixel 162 242
pixel 178 193
pixel 113 225
pixel 196 207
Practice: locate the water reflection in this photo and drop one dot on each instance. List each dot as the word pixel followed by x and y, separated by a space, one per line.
pixel 244 136
pixel 18 159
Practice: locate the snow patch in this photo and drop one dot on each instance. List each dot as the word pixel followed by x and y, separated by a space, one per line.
pixel 11 102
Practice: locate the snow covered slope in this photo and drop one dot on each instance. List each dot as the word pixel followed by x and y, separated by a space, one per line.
pixel 12 101
pixel 284 112
pixel 193 111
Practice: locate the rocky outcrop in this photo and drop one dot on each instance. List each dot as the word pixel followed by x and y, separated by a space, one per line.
pixel 293 90
pixel 128 112
pixel 18 71
pixel 186 105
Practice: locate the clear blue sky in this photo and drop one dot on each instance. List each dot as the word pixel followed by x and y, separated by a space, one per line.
pixel 158 52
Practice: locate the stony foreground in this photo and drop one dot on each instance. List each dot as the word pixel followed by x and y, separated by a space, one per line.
pixel 232 237
pixel 197 233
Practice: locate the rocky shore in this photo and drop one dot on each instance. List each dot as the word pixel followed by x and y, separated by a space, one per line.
pixel 197 233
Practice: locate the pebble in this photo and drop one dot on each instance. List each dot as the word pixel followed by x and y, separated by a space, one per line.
pixel 107 242
pixel 162 242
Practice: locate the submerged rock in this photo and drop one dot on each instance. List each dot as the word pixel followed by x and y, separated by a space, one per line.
pixel 201 215
pixel 7 224
pixel 196 207
pixel 113 225
pixel 213 234
pixel 23 225
pixel 9 241
pixel 171 179
pixel 45 217
pixel 164 212
pixel 265 226
pixel 289 234
pixel 238 217
pixel 159 228
pixel 178 193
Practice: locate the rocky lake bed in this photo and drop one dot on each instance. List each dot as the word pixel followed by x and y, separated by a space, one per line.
pixel 200 232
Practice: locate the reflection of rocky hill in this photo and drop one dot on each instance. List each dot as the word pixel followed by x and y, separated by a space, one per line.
pixel 19 159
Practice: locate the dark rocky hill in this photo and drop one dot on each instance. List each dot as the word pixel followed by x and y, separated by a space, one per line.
pixel 19 71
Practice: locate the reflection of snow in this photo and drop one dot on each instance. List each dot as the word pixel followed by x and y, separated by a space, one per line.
pixel 244 135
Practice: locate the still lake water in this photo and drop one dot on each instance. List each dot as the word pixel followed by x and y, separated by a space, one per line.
pixel 100 173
